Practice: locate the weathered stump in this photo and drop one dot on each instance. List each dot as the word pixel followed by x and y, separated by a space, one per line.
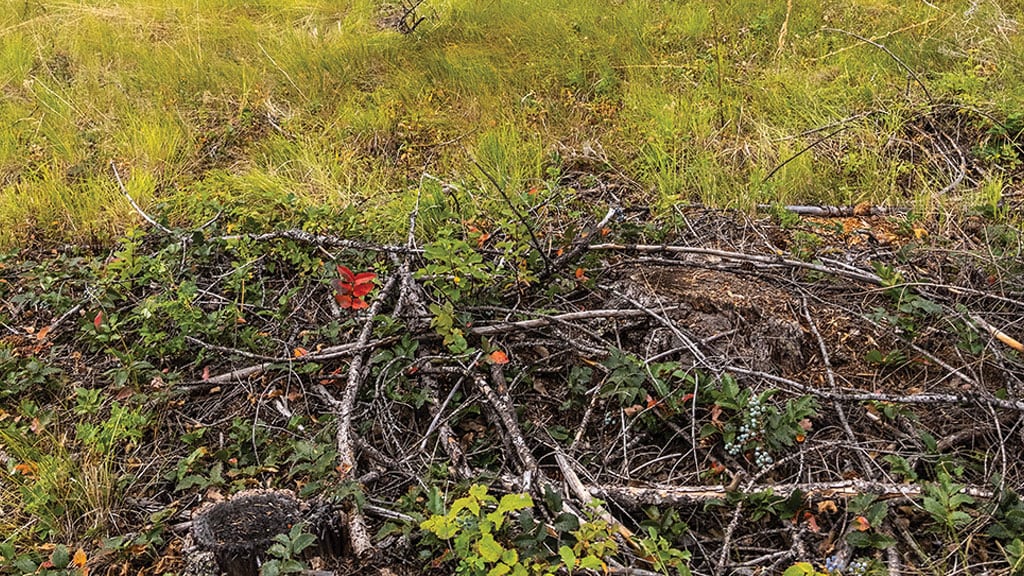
pixel 239 531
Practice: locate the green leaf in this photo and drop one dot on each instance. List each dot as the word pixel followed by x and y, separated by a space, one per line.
pixel 499 570
pixel 60 556
pixel 568 556
pixel 489 548
pixel 513 502
pixel 278 550
pixel 302 541
pixel 799 569
pixel 441 526
pixel 271 568
pixel 510 556
pixel 465 503
pixel 591 562
pixel 566 522
pixel 869 540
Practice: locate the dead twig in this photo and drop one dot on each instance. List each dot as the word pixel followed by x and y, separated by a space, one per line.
pixel 757 259
pixel 362 545
pixel 813 491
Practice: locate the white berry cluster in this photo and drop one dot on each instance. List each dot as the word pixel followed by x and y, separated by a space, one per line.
pixel 750 430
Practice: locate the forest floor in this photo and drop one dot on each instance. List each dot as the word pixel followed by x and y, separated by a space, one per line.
pixel 511 287
pixel 745 395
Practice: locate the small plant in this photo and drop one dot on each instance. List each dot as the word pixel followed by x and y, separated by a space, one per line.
pixel 945 501
pixel 753 427
pixel 473 526
pixel 286 552
pixel 485 536
pixel 351 288
pixel 911 308
pixel 868 513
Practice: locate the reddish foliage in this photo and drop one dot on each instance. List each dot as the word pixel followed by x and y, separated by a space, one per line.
pixel 350 289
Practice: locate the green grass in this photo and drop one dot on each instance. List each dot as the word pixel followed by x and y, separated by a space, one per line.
pixel 313 103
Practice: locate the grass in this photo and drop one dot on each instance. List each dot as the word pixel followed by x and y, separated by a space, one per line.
pixel 316 103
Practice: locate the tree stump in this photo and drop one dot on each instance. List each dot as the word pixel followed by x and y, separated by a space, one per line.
pixel 239 531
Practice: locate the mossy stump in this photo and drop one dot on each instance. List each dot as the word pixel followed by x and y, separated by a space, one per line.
pixel 240 530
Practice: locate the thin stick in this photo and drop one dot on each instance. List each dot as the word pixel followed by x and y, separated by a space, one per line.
pixel 146 217
pixel 688 495
pixel 892 55
pixel 360 538
pixel 998 334
pixel 860 276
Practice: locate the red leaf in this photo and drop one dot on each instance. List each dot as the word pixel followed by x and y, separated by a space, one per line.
pixel 341 287
pixel 364 277
pixel 362 289
pixel 359 304
pixel 346 273
pixel 98 320
pixel 344 300
pixel 812 522
pixel 206 373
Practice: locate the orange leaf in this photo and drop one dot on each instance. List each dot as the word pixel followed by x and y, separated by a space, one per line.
pixel 41 335
pixel 498 357
pixel 800 438
pixel 79 559
pixel 25 469
pixel 581 274
pixel 359 304
pixel 299 352
pixel 634 409
pixel 812 522
pixel 861 524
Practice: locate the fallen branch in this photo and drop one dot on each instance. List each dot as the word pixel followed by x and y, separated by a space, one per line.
pixel 860 276
pixel 504 327
pixel 998 334
pixel 146 217
pixel 839 211
pixel 322 240
pixel 684 495
pixel 362 545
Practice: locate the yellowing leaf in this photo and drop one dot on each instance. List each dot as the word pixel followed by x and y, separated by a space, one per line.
pixel 489 548
pixel 79 559
pixel 299 352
